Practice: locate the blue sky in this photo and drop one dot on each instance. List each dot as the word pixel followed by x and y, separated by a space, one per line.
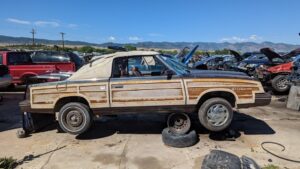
pixel 154 20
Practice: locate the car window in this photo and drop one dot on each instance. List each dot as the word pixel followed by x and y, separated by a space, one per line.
pixel 137 66
pixel 49 57
pixel 1 59
pixel 19 58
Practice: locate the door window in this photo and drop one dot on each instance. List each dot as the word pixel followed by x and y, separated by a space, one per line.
pixel 1 59
pixel 138 66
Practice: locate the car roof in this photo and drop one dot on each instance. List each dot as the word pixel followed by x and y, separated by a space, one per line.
pixel 101 66
pixel 123 54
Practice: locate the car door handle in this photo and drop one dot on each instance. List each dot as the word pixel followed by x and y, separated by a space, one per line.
pixel 118 86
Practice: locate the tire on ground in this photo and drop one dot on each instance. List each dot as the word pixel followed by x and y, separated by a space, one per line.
pixel 277 80
pixel 84 113
pixel 221 159
pixel 204 108
pixel 179 141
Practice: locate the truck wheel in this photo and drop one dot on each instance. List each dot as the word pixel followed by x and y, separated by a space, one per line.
pixel 179 141
pixel 75 118
pixel 179 123
pixel 280 83
pixel 215 114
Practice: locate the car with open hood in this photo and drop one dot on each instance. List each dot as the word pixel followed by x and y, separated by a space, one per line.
pixel 219 62
pixel 277 76
pixel 114 84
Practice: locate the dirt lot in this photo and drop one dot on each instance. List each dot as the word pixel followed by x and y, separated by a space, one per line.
pixel 130 142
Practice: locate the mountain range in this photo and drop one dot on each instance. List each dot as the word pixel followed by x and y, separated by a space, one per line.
pixel 242 46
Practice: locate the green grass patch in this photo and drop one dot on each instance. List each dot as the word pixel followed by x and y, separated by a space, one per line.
pixel 8 163
pixel 271 166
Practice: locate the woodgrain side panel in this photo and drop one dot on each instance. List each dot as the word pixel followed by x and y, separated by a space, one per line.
pixel 147 93
pixel 96 94
pixel 243 90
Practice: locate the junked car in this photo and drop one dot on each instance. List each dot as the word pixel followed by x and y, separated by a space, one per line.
pixel 277 76
pixel 56 57
pixel 113 84
pixel 5 78
pixel 294 77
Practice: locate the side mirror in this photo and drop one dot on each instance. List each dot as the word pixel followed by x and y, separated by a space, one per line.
pixel 169 74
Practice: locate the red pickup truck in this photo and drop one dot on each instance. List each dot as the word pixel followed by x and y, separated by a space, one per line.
pixel 22 67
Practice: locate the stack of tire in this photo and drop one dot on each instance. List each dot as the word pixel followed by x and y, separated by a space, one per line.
pixel 184 137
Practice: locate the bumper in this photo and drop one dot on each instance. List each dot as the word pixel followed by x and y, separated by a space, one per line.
pixel 5 81
pixel 261 99
pixel 25 107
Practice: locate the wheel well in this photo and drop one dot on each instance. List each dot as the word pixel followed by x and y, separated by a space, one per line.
pixel 61 102
pixel 282 73
pixel 221 94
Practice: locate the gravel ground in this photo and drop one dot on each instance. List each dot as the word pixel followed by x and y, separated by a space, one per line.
pixel 134 141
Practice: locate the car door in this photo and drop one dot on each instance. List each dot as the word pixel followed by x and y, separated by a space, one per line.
pixel 151 88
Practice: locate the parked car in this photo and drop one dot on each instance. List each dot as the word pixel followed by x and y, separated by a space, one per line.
pixel 277 76
pixel 5 78
pixel 113 85
pixel 250 62
pixel 56 57
pixel 294 77
pixel 22 67
pixel 217 62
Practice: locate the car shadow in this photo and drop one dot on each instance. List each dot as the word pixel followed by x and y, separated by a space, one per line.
pixel 242 123
pixel 154 124
pixel 125 124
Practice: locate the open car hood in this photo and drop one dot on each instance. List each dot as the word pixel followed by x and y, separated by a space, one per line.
pixel 270 53
pixel 293 53
pixel 236 55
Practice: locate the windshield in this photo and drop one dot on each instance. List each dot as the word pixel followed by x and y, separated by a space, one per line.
pixel 177 66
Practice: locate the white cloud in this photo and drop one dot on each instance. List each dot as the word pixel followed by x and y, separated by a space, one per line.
pixel 235 39
pixel 71 25
pixel 18 21
pixel 111 38
pixel 46 23
pixel 134 38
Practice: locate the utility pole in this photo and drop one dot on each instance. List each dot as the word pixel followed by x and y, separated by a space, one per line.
pixel 33 32
pixel 62 39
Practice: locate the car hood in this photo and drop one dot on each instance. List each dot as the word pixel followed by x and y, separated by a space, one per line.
pixel 216 74
pixel 237 56
pixel 270 53
pixel 292 53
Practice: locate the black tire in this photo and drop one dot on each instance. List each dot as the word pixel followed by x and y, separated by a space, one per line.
pixel 179 141
pixel 75 118
pixel 206 109
pixel 280 83
pixel 221 159
pixel 179 123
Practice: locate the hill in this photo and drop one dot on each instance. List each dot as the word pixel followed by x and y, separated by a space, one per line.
pixel 243 46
